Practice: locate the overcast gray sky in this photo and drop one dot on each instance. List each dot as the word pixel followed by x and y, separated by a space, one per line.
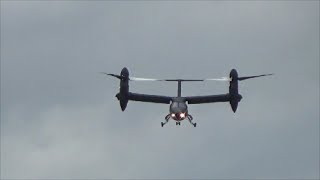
pixel 60 119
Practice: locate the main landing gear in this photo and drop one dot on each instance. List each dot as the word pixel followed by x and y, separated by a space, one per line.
pixel 162 123
pixel 167 119
pixel 190 118
pixel 178 123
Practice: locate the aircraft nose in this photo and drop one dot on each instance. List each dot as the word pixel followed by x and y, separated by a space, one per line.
pixel 181 115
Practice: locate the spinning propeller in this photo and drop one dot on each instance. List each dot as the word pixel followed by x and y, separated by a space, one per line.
pixel 208 79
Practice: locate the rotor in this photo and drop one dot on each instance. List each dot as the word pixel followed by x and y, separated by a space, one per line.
pixel 226 79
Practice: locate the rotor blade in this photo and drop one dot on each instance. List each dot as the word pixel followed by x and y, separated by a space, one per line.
pixel 219 79
pixel 249 77
pixel 183 80
pixel 149 79
pixel 143 79
pixel 114 75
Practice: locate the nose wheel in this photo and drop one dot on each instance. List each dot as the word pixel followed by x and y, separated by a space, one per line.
pixel 178 123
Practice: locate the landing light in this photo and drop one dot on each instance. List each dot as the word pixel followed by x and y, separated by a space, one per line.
pixel 182 115
pixel 173 115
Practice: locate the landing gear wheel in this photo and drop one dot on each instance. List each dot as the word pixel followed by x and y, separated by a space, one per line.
pixel 195 125
pixel 162 124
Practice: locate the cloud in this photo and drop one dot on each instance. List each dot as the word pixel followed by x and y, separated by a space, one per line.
pixel 60 119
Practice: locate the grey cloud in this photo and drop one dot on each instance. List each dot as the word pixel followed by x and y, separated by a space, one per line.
pixel 60 119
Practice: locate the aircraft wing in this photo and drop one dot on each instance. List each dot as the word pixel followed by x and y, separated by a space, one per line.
pixel 149 98
pixel 207 99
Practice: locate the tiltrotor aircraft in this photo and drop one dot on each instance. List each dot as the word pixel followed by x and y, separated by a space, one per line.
pixel 178 105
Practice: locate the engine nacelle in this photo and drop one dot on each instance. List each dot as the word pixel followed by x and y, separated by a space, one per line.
pixel 123 101
pixel 235 97
pixel 122 96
